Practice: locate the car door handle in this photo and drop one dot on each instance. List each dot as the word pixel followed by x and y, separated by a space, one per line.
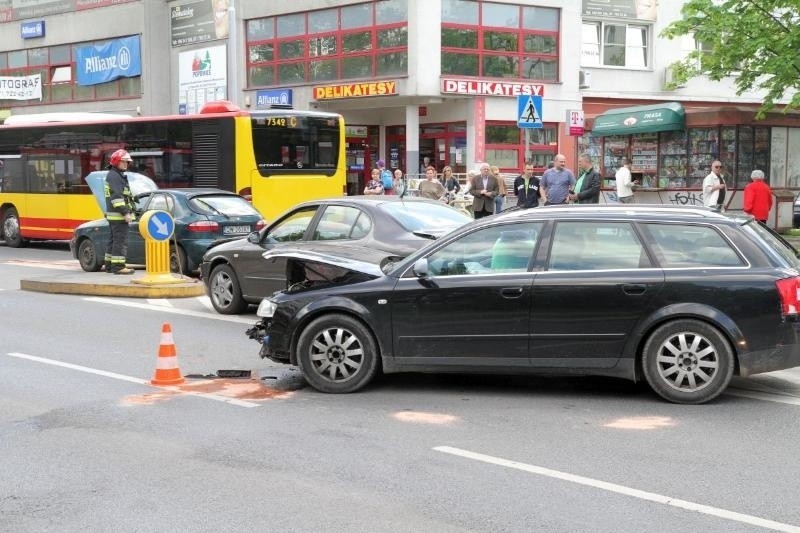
pixel 634 288
pixel 511 292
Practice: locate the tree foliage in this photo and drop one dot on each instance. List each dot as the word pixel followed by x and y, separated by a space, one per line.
pixel 755 41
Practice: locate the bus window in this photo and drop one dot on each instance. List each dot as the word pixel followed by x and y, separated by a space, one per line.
pixel 295 143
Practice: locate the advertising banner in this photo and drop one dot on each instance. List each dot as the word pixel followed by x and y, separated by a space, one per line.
pixel 25 9
pixel 120 58
pixel 621 9
pixel 21 87
pixel 202 77
pixel 199 21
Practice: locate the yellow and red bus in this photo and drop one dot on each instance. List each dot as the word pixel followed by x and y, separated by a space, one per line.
pixel 276 157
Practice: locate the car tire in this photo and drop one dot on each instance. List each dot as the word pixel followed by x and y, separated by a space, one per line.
pixel 177 260
pixel 337 354
pixel 224 291
pixel 11 229
pixel 87 256
pixel 688 361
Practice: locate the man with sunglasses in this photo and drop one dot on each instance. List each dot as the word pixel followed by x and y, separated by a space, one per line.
pixel 714 188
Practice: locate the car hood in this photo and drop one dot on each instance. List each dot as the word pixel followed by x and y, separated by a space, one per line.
pixel 139 184
pixel 331 265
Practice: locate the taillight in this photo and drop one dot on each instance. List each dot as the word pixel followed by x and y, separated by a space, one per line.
pixel 788 289
pixel 203 226
pixel 260 224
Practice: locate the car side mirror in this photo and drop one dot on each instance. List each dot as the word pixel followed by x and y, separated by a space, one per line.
pixel 254 237
pixel 421 268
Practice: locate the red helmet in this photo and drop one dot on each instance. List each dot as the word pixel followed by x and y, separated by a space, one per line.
pixel 119 155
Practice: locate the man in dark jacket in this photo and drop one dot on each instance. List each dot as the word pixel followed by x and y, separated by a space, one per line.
pixel 526 187
pixel 587 186
pixel 119 212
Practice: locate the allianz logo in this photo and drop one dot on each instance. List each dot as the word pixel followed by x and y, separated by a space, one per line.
pixel 121 61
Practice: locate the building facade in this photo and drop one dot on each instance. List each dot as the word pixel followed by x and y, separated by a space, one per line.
pixel 447 82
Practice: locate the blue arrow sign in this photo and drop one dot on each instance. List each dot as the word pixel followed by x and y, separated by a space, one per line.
pixel 160 226
pixel 529 111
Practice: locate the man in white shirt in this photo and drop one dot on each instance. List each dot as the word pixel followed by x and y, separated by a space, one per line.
pixel 714 188
pixel 624 182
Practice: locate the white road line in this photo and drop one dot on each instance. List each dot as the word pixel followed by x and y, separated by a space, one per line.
pixel 122 377
pixel 206 302
pixel 766 396
pixel 621 489
pixel 185 312
pixel 161 302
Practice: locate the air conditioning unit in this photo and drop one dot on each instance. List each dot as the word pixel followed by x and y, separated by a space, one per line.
pixel 584 79
pixel 668 79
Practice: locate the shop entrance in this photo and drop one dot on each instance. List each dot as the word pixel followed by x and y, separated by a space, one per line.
pixel 362 154
pixel 444 145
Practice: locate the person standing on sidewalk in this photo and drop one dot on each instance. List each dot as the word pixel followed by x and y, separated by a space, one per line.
pixel 557 182
pixel 526 187
pixel 624 182
pixel 758 197
pixel 119 212
pixel 714 188
pixel 500 199
pixel 587 187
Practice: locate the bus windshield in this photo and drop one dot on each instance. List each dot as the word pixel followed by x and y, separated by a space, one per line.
pixel 294 143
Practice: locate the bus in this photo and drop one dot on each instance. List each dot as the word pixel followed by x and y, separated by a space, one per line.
pixel 275 157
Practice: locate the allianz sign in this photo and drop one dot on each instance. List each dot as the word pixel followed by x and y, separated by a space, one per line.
pixel 110 60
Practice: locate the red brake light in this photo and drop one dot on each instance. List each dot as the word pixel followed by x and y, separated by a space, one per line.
pixel 203 226
pixel 790 300
pixel 260 224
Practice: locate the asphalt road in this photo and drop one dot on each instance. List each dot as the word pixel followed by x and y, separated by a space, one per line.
pixel 88 445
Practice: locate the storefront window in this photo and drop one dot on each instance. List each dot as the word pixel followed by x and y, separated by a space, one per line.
pixel 506 47
pixel 644 157
pixel 614 149
pixel 744 156
pixel 703 150
pixel 337 34
pixel 506 140
pixel 672 165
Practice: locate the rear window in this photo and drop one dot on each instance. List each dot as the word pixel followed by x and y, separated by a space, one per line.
pixel 293 143
pixel 418 216
pixel 228 205
pixel 775 245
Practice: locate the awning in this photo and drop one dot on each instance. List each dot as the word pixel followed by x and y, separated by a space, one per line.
pixel 668 116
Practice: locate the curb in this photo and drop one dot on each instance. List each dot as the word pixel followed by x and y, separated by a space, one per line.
pixel 178 290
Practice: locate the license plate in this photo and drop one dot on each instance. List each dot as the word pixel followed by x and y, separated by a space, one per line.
pixel 235 230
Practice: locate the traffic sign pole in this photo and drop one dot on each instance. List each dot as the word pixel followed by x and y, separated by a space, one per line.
pixel 157 227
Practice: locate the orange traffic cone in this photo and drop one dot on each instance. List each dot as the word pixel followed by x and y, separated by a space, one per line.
pixel 167 371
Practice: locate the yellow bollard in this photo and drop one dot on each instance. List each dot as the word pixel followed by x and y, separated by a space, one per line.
pixel 157 227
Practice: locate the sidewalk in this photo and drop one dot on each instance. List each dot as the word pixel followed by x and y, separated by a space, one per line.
pixel 102 284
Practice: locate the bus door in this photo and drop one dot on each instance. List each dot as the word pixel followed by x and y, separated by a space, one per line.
pixel 47 210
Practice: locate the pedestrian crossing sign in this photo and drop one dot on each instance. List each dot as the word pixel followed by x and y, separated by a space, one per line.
pixel 529 111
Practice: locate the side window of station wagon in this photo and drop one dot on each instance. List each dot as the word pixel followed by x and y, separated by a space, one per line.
pixel 496 249
pixel 596 245
pixel 691 246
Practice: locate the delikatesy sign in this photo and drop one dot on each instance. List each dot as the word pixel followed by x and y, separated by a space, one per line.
pixel 31 30
pixel 120 58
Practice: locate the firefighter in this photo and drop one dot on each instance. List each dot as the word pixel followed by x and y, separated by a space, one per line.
pixel 119 212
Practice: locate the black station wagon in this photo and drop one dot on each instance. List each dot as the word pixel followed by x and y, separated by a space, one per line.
pixel 683 298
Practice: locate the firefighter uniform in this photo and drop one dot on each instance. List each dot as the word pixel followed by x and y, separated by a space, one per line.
pixel 119 204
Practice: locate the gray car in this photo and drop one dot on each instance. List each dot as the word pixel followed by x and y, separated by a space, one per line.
pixel 236 274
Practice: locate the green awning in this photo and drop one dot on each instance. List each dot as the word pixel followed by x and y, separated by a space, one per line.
pixel 668 116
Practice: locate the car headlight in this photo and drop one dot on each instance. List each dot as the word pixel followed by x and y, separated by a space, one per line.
pixel 266 308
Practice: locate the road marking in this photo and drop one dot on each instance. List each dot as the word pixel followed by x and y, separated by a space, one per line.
pixel 122 377
pixel 206 302
pixel 185 312
pixel 36 263
pixel 766 396
pixel 161 302
pixel 621 489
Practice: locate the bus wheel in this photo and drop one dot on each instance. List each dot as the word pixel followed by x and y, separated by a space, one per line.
pixel 87 256
pixel 11 229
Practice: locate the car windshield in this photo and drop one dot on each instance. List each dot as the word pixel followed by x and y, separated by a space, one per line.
pixel 416 216
pixel 776 243
pixel 228 205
